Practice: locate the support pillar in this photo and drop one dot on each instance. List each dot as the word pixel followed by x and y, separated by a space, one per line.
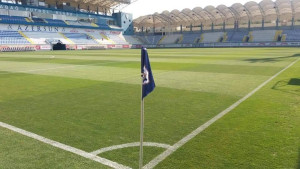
pixel 249 25
pixel 201 28
pixel 180 28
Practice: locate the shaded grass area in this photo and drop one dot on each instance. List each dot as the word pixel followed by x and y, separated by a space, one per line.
pixel 220 83
pixel 263 132
pixel 299 160
pixel 193 67
pixel 91 115
pixel 19 151
pixel 273 59
pixel 20 85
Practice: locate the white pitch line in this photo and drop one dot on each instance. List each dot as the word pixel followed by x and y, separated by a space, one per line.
pixel 136 144
pixel 194 133
pixel 65 147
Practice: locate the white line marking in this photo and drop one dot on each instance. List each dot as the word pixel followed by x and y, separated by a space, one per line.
pixel 65 147
pixel 136 144
pixel 194 133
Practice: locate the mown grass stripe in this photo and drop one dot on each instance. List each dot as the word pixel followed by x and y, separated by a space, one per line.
pixel 192 67
pixel 64 147
pixel 194 133
pixel 185 80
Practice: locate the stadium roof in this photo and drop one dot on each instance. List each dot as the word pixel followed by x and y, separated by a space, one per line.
pixel 266 10
pixel 92 5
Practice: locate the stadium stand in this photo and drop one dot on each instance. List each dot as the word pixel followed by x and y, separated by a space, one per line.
pixel 12 37
pixel 117 39
pixel 56 22
pixel 171 39
pixel 132 39
pixel 39 20
pixel 13 19
pixel 263 35
pixel 100 38
pixel 292 35
pixel 211 37
pixel 45 38
pixel 152 39
pixel 33 24
pixel 237 36
pixel 190 38
pixel 80 38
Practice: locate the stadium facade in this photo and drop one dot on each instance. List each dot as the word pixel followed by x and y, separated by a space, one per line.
pixel 94 24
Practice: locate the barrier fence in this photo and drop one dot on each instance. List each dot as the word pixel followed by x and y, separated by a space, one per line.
pixel 17 48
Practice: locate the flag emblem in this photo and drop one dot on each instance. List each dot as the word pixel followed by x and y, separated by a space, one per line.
pixel 147 76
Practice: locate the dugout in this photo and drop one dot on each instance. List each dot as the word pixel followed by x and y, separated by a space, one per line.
pixel 59 46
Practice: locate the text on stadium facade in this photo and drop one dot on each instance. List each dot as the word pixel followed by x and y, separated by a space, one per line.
pixel 44 11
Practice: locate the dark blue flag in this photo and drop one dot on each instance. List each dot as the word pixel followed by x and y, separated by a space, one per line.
pixel 148 81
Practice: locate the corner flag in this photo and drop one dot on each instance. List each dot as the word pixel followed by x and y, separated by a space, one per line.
pixel 148 81
pixel 148 86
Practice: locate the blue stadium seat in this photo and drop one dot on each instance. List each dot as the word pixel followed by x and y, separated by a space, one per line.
pixel 12 38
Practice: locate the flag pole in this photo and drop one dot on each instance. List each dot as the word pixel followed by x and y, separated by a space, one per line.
pixel 142 129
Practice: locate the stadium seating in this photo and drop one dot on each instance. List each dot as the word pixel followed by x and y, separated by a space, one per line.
pixel 292 35
pixel 263 35
pixel 38 20
pixel 212 37
pixel 189 38
pixel 236 36
pixel 12 19
pixel 152 39
pixel 170 39
pixel 133 39
pixel 44 38
pixel 80 38
pixel 76 23
pixel 51 22
pixel 101 39
pixel 117 39
pixel 56 22
pixel 12 37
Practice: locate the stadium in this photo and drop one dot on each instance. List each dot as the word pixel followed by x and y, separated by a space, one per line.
pixel 78 92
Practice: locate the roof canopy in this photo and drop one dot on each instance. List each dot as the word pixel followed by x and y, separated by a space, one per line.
pixel 266 10
pixel 92 5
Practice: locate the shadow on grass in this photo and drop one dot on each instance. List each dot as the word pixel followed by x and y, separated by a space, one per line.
pixel 298 165
pixel 290 86
pixel 294 81
pixel 276 59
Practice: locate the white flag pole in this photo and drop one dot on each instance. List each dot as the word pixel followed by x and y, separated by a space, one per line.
pixel 142 129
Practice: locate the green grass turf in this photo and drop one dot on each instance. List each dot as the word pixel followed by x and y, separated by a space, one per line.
pixel 91 100
pixel 263 132
pixel 18 152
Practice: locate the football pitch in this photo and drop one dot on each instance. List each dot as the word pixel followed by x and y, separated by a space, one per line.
pixel 212 108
